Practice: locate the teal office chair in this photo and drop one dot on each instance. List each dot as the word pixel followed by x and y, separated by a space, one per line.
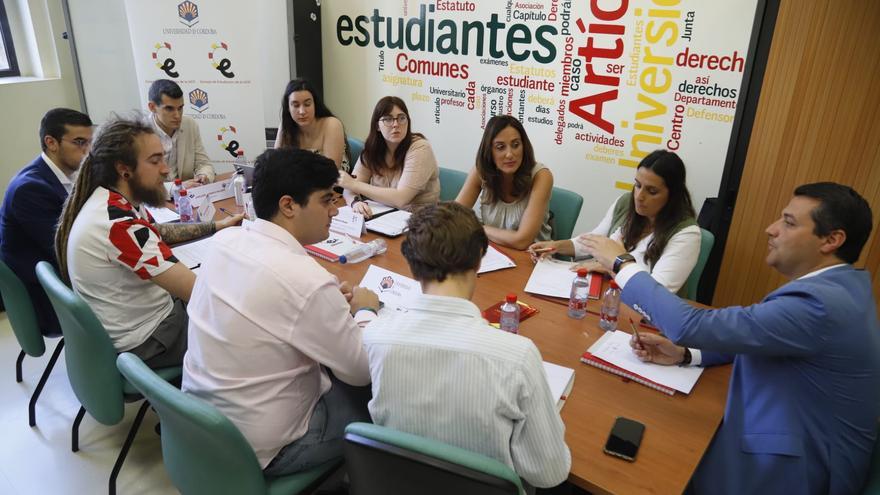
pixel 565 207
pixel 355 148
pixel 707 240
pixel 204 452
pixel 23 319
pixel 451 182
pixel 91 365
pixel 383 461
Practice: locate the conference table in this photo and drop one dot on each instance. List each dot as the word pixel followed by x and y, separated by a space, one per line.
pixel 678 428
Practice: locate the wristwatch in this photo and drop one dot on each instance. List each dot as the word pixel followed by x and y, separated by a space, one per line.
pixel 620 260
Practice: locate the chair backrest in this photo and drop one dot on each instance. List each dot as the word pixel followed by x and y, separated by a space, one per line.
pixel 20 311
pixel 203 451
pixel 88 351
pixel 565 207
pixel 382 460
pixel 355 147
pixel 451 182
pixel 707 240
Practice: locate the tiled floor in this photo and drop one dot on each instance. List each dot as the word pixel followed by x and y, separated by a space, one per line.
pixel 39 460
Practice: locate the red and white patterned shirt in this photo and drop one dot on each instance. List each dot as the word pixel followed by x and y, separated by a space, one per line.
pixel 113 253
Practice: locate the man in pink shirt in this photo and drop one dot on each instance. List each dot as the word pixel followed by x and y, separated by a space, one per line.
pixel 267 322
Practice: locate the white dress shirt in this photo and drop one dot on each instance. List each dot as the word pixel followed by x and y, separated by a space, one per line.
pixel 440 371
pixel 263 317
pixel 65 180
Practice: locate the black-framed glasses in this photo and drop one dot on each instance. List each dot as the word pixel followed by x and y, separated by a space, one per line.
pixel 389 121
pixel 79 142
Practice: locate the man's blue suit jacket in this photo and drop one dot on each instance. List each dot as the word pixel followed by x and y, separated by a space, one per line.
pixel 804 396
pixel 28 221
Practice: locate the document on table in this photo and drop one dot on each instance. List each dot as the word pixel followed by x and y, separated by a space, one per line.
pixel 561 380
pixel 348 222
pixel 551 277
pixel 495 260
pixel 614 348
pixel 391 224
pixel 191 254
pixel 162 214
pixel 392 288
pixel 378 208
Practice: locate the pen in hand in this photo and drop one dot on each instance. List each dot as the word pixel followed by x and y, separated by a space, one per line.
pixel 224 210
pixel 635 332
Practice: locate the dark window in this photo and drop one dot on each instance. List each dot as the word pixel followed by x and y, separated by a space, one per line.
pixel 8 62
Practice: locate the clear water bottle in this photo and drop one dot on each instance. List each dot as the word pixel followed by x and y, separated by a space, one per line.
pixel 249 211
pixel 238 187
pixel 610 308
pixel 364 251
pixel 175 191
pixel 509 320
pixel 580 289
pixel 184 207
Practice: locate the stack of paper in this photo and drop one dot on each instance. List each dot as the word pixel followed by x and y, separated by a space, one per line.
pixel 561 380
pixel 551 277
pixel 163 215
pixel 495 260
pixel 191 254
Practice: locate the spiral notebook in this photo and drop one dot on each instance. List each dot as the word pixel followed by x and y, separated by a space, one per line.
pixel 333 247
pixel 612 353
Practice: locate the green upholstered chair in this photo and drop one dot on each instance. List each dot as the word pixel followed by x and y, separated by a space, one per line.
pixel 204 452
pixel 23 319
pixel 355 147
pixel 707 240
pixel 451 182
pixel 381 460
pixel 565 207
pixel 91 365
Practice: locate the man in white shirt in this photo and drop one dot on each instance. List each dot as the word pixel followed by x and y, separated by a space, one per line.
pixel 441 371
pixel 802 409
pixel 116 258
pixel 180 136
pixel 266 320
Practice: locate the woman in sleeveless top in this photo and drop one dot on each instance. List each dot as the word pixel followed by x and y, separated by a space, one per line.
pixel 508 189
pixel 306 123
pixel 655 223
pixel 397 166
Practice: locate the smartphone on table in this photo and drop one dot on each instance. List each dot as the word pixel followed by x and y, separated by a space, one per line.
pixel 625 438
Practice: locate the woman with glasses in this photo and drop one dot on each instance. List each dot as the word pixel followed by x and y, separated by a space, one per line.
pixel 397 166
pixel 306 123
pixel 511 189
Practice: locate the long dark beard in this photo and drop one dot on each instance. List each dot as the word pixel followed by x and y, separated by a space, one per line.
pixel 142 194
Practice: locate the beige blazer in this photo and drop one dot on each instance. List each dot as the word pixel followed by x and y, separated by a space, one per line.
pixel 191 156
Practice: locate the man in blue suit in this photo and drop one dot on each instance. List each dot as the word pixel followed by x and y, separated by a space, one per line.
pixel 33 203
pixel 803 402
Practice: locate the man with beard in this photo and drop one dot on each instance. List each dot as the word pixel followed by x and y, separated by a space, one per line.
pixel 114 254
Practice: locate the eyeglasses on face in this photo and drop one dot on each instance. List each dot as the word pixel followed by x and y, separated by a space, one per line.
pixel 79 142
pixel 389 121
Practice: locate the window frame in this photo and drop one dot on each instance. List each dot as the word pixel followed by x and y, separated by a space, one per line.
pixel 13 70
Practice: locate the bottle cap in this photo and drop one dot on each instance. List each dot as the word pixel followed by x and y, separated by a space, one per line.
pixel 582 272
pixel 177 181
pixel 183 192
pixel 343 260
pixel 614 285
pixel 511 298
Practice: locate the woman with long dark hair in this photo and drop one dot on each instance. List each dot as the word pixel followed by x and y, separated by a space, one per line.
pixel 655 223
pixel 510 189
pixel 397 166
pixel 306 123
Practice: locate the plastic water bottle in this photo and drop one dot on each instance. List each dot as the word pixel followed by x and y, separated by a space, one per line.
pixel 184 207
pixel 509 320
pixel 175 191
pixel 249 211
pixel 238 187
pixel 364 251
pixel 580 289
pixel 610 308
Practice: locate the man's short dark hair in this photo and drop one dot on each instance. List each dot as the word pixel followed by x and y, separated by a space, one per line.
pixel 165 87
pixel 840 207
pixel 289 172
pixel 54 121
pixel 443 239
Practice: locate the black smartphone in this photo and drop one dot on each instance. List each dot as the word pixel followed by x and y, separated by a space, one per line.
pixel 625 438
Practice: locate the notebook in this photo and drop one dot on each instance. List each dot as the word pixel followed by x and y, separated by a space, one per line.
pixel 561 380
pixel 552 277
pixel 613 354
pixel 391 224
pixel 333 247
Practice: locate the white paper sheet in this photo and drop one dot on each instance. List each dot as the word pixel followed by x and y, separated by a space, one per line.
pixel 495 260
pixel 378 208
pixel 392 224
pixel 348 222
pixel 191 254
pixel 392 288
pixel 163 215
pixel 614 348
pixel 561 380
pixel 551 277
